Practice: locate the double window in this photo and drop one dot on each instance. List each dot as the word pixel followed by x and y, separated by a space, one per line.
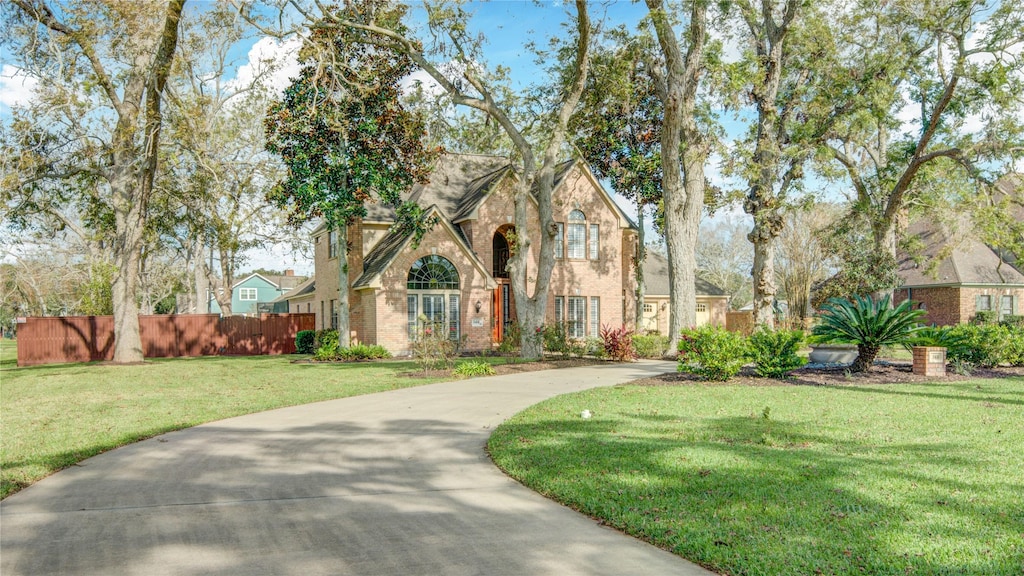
pixel 247 294
pixel 433 298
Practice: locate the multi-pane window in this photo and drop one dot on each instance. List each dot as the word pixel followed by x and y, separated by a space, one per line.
pixel 702 307
pixel 332 243
pixel 593 246
pixel 559 309
pixel 335 310
pixel 984 302
pixel 576 324
pixel 1006 307
pixel 433 299
pixel 595 316
pixel 248 294
pixel 577 234
pixel 559 240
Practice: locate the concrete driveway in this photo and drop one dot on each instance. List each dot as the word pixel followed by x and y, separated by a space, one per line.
pixel 390 483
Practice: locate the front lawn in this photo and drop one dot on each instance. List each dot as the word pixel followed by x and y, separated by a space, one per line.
pixel 773 480
pixel 54 416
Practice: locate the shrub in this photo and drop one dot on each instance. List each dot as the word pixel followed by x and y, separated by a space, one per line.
pixel 1011 320
pixel 326 345
pixel 432 348
pixel 305 342
pixel 985 317
pixel 510 340
pixel 364 352
pixel 618 343
pixel 474 368
pixel 650 345
pixel 984 345
pixel 711 352
pixel 593 346
pixel 556 339
pixel 775 352
pixel 868 324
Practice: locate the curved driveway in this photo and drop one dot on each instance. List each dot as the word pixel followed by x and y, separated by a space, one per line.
pixel 389 483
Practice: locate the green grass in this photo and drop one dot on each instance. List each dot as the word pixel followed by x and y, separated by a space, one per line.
pixel 54 416
pixel 8 353
pixel 775 480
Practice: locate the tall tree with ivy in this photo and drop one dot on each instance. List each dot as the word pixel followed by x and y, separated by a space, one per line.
pixel 618 128
pixel 344 135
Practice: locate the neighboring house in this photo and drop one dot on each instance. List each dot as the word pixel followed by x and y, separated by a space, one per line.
pixel 298 299
pixel 256 292
pixel 954 280
pixel 456 278
pixel 712 301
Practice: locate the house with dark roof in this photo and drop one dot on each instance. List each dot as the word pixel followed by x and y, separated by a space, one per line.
pixel 953 279
pixel 297 300
pixel 456 277
pixel 712 301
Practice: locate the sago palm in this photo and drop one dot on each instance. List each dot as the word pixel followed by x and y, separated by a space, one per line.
pixel 868 324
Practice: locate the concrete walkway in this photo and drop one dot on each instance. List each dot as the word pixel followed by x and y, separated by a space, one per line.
pixel 390 483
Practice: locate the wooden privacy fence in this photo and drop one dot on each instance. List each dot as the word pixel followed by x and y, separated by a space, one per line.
pixel 742 322
pixel 89 338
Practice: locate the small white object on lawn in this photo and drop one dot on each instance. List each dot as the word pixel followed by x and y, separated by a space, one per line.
pixel 585 414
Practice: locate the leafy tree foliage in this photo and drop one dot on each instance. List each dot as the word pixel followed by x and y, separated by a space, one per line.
pixel 343 133
pixel 618 129
pixel 955 67
pixel 90 144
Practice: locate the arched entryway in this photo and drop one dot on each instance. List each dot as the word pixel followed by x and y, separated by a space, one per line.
pixel 502 304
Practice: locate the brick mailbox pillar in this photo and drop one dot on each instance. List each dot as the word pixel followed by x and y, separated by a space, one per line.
pixel 929 360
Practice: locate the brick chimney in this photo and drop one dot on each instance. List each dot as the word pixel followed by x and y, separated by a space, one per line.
pixel 289 272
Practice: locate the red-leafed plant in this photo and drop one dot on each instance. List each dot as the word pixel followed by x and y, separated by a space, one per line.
pixel 618 343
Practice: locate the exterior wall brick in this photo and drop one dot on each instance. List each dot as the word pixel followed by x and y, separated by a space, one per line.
pixel 951 305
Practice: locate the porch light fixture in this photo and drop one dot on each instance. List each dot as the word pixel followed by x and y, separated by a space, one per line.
pixel 477 306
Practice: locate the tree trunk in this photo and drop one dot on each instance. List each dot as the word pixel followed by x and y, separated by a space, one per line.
pixel 641 255
pixel 130 221
pixel 530 310
pixel 224 292
pixel 763 276
pixel 199 275
pixel 885 237
pixel 344 330
pixel 865 358
pixel 682 146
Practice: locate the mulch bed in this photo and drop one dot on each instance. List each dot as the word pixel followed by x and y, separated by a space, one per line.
pixel 887 373
pixel 516 368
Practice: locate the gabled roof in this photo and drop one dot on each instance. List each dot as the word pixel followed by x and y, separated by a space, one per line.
pixel 459 183
pixel 307 287
pixel 384 253
pixel 945 260
pixel 656 278
pixel 279 282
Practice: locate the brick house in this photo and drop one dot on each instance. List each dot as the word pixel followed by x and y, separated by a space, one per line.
pixel 712 301
pixel 953 279
pixel 456 275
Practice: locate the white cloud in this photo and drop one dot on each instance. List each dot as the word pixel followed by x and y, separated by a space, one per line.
pixel 268 54
pixel 16 86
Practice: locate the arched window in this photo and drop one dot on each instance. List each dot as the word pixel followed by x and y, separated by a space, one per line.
pixel 577 234
pixel 433 273
pixel 433 298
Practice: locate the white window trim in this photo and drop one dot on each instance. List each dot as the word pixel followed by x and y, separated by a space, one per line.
pixel 242 292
